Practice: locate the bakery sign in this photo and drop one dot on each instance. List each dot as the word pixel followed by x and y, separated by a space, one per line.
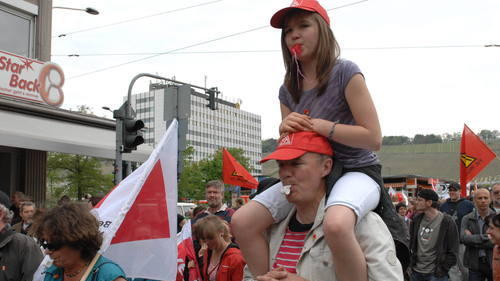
pixel 30 79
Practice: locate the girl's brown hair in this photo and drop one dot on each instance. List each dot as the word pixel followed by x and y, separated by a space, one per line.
pixel 327 53
pixel 210 226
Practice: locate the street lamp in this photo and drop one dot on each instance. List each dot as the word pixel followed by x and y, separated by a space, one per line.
pixel 89 10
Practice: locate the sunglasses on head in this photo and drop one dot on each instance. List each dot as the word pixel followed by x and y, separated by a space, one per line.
pixel 53 246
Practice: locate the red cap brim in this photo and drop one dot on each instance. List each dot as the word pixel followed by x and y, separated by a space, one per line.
pixel 284 154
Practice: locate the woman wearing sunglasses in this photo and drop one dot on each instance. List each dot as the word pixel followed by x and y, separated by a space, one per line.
pixel 70 236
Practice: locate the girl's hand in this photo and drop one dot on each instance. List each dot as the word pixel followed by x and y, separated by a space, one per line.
pixel 321 126
pixel 276 274
pixel 203 248
pixel 295 122
pixel 280 274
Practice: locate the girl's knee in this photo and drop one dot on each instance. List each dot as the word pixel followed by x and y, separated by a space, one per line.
pixel 339 221
pixel 250 219
pixel 238 221
pixel 242 219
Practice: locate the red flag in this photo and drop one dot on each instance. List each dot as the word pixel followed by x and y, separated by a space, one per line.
pixel 185 250
pixel 235 174
pixel 475 155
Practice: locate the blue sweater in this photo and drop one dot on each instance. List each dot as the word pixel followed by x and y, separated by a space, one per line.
pixel 457 210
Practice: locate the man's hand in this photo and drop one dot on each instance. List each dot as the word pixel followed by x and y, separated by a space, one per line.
pixel 467 232
pixel 280 274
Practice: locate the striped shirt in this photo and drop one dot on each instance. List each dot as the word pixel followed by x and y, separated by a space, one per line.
pixel 291 247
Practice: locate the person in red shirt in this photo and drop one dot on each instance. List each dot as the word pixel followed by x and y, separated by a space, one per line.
pixel 222 259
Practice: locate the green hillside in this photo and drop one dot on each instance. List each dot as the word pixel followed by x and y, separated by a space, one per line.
pixel 439 160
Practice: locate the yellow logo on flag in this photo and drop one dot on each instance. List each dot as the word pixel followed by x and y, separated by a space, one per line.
pixel 467 160
pixel 235 174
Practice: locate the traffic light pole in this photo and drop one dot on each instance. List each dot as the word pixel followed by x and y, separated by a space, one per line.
pixel 118 160
pixel 125 113
pixel 129 97
pixel 119 115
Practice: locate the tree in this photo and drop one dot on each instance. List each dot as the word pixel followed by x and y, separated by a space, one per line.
pixel 269 145
pixel 84 109
pixel 395 140
pixel 196 174
pixel 76 175
pixel 487 135
pixel 425 139
pixel 447 137
pixel 418 139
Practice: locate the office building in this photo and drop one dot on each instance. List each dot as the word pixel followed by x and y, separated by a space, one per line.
pixel 208 130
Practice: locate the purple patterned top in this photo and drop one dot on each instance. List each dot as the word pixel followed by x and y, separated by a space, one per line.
pixel 332 106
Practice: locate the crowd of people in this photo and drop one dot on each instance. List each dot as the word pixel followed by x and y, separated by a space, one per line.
pixel 437 228
pixel 453 238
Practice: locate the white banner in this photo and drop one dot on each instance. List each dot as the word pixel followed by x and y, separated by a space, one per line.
pixel 139 216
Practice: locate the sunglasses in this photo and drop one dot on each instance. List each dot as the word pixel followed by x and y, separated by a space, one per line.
pixel 53 246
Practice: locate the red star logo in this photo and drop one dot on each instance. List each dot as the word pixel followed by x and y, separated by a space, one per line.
pixel 27 64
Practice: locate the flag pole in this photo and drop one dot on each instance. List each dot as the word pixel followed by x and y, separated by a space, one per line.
pixel 89 268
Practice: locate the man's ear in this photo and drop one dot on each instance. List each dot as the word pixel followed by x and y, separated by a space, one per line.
pixel 327 166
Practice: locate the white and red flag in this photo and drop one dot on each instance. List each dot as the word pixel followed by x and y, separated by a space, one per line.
pixel 139 217
pixel 186 252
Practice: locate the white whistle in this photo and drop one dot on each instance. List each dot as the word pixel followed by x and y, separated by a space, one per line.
pixel 285 189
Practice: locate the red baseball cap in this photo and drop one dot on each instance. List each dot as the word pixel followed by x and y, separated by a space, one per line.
pixel 307 5
pixel 295 145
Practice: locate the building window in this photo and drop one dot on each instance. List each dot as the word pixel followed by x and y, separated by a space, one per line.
pixel 146 99
pixel 18 31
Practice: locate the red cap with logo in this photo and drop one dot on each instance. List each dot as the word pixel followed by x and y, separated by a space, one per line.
pixel 295 145
pixel 307 5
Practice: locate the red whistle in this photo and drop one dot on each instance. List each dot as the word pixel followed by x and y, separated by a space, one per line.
pixel 296 50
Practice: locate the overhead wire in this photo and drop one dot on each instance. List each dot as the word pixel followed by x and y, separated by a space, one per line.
pixel 136 19
pixel 196 44
pixel 167 52
pixel 273 51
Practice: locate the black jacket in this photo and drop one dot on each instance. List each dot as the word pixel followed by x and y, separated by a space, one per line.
pixel 447 244
pixel 458 209
pixel 20 256
pixel 475 242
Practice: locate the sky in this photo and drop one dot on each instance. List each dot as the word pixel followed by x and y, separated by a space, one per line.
pixel 424 61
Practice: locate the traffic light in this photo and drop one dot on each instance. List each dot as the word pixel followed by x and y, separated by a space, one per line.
pixel 132 136
pixel 212 95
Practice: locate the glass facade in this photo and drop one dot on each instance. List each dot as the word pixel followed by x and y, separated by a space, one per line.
pixel 17 31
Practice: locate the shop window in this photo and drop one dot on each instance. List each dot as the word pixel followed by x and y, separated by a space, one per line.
pixel 18 31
